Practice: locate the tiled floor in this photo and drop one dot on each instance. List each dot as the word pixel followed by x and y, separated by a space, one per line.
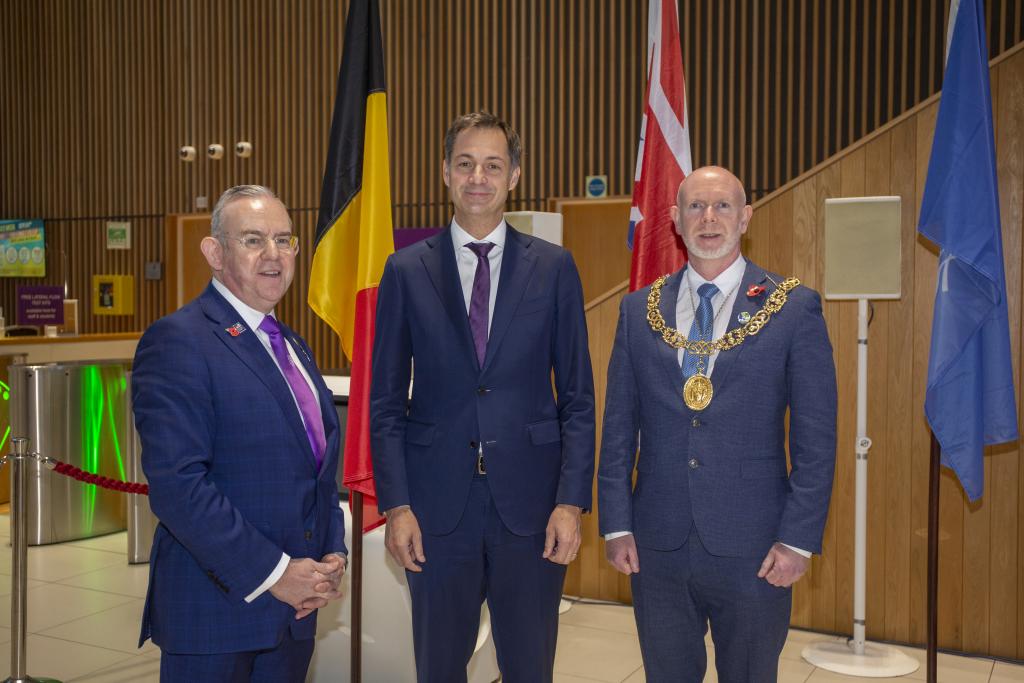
pixel 85 601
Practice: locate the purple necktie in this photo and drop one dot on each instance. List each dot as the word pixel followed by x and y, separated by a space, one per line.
pixel 309 406
pixel 480 301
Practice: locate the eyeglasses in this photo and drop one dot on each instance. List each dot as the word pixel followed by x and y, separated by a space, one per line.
pixel 287 244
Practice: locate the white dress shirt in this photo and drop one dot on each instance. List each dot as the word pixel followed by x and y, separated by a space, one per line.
pixel 252 318
pixel 687 300
pixel 466 259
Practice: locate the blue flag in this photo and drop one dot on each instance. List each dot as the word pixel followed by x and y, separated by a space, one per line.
pixel 969 401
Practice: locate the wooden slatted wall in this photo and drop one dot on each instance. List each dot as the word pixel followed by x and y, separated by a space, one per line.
pixel 98 96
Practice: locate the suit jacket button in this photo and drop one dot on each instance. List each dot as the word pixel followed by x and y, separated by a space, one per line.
pixel 474 445
pixel 696 422
pixel 308 535
pixel 694 463
pixel 481 390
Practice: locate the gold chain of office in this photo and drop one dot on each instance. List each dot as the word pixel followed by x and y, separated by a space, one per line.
pixel 732 338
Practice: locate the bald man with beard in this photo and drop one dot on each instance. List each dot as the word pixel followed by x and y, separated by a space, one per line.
pixel 717 528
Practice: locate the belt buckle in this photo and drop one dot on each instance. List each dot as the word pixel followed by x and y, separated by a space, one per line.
pixel 480 469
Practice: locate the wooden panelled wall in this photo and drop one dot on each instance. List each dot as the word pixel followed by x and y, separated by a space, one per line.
pixel 981 545
pixel 99 96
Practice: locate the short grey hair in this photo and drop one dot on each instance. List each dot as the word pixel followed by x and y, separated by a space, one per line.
pixel 233 194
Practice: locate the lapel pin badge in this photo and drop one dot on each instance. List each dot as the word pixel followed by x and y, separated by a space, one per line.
pixel 743 318
pixel 755 290
pixel 235 330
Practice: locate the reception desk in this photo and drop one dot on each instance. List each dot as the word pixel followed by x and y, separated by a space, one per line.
pixel 77 347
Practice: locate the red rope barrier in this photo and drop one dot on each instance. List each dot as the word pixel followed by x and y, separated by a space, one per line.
pixel 103 482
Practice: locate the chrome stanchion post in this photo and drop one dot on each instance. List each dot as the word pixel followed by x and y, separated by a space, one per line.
pixel 18 461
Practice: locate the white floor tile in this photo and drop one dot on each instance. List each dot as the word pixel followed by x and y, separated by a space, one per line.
pixel 636 677
pixel 60 659
pixel 794 672
pixel 618 618
pixel 596 653
pixel 61 561
pixel 5 584
pixel 1007 673
pixel 111 543
pixel 134 670
pixel 798 640
pixel 566 678
pixel 115 629
pixel 53 604
pixel 822 676
pixel 121 579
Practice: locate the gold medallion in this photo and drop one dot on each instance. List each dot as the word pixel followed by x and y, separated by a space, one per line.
pixel 697 392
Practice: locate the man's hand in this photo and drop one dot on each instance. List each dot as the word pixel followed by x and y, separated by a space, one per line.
pixel 621 553
pixel 404 540
pixel 298 585
pixel 328 586
pixel 783 566
pixel 563 535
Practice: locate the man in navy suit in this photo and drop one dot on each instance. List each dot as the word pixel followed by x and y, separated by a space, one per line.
pixel 240 448
pixel 716 529
pixel 483 474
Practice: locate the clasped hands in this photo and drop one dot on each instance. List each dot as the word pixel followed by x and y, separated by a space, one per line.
pixel 404 540
pixel 308 585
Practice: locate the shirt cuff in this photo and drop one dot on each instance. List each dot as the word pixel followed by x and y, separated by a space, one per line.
pixel 798 551
pixel 274 577
pixel 617 534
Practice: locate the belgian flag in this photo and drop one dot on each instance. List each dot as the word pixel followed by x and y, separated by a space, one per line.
pixel 354 230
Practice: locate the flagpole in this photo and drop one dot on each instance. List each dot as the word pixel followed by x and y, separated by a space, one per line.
pixel 933 559
pixel 356 599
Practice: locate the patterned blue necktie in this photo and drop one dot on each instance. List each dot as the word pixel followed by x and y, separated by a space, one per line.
pixel 703 320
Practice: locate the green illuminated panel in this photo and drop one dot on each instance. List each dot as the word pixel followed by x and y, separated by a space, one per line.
pixel 103 393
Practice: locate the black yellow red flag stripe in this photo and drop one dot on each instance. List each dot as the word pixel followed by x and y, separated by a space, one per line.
pixel 354 229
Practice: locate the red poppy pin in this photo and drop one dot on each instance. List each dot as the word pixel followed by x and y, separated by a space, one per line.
pixel 235 330
pixel 755 290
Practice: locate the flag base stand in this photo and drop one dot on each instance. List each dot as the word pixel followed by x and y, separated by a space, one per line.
pixel 876 660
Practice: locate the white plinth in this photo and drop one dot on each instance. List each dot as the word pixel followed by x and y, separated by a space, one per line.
pixel 878 661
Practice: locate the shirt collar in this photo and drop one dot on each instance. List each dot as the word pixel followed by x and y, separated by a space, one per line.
pixel 726 281
pixel 497 236
pixel 250 315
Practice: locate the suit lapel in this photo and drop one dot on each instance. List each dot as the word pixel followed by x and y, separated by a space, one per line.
pixel 517 263
pixel 248 348
pixel 752 275
pixel 439 261
pixel 670 356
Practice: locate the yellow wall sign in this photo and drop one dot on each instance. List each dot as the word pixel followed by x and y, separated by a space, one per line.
pixel 113 294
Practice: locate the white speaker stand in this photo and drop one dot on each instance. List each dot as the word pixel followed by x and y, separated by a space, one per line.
pixel 856 657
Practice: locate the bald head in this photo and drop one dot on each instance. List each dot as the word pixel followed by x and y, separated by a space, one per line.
pixel 717 174
pixel 711 214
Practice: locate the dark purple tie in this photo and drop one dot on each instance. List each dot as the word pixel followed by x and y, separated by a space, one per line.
pixel 309 406
pixel 480 301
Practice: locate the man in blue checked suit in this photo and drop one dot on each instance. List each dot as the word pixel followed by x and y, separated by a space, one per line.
pixel 484 473
pixel 716 529
pixel 240 448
